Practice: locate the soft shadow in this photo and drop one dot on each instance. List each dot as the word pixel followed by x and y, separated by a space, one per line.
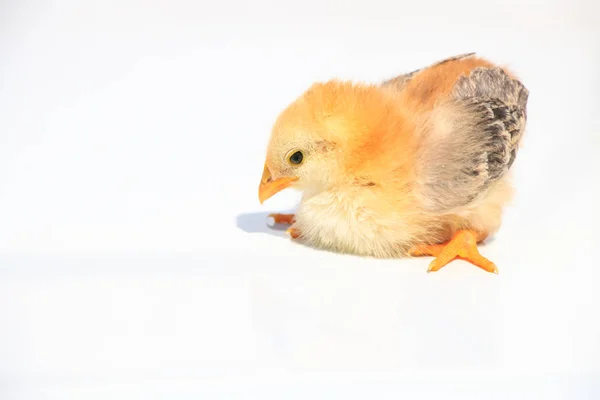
pixel 259 223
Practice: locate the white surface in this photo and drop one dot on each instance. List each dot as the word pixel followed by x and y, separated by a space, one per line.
pixel 134 257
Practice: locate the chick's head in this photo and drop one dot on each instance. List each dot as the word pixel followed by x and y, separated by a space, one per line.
pixel 300 153
pixel 322 137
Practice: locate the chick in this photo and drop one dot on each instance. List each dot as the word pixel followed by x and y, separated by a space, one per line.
pixel 418 165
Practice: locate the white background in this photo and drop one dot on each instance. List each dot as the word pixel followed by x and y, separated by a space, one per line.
pixel 134 257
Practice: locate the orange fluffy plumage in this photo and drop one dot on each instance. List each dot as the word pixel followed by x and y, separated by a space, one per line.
pixel 416 166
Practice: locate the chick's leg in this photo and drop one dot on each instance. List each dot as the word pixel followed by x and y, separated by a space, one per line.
pixel 462 246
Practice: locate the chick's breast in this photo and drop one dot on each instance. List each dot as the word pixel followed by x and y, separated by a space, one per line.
pixel 364 220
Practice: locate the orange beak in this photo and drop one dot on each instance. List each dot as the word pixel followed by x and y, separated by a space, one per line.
pixel 268 187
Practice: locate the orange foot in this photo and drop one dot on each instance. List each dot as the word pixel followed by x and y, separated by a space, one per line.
pixel 287 219
pixel 462 246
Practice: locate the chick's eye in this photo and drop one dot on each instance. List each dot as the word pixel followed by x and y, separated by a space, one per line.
pixel 296 158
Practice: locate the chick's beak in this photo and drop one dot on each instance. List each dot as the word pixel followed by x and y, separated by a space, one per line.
pixel 268 187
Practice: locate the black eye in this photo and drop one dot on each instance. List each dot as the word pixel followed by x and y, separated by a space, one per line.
pixel 296 158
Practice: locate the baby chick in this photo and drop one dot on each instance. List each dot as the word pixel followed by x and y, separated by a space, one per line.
pixel 415 166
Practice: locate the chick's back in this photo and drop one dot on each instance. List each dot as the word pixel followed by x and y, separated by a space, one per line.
pixel 424 87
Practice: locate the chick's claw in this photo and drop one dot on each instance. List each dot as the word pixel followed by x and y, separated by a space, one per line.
pixel 462 246
pixel 286 219
pixel 294 233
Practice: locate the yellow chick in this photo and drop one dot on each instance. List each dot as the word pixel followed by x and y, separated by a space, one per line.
pixel 416 166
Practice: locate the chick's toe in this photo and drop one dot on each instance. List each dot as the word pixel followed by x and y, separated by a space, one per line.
pixel 427 250
pixel 286 219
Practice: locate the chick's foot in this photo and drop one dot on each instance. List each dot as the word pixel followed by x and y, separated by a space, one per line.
pixel 462 246
pixel 286 219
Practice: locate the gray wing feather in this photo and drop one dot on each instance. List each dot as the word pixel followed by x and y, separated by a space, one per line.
pixel 471 141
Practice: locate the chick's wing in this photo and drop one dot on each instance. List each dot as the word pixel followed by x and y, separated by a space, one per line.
pixel 470 140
